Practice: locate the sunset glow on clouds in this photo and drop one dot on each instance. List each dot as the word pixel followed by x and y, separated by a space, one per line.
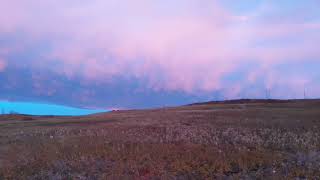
pixel 142 53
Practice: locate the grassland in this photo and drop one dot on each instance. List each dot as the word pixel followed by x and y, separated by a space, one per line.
pixel 242 139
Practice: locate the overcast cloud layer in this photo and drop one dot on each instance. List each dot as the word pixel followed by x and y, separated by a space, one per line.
pixel 123 53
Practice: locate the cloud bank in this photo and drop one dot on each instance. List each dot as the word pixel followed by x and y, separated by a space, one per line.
pixel 195 48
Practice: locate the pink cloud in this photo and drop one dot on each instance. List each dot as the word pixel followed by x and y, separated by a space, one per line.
pixel 189 46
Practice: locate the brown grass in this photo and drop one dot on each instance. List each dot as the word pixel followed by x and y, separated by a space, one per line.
pixel 204 141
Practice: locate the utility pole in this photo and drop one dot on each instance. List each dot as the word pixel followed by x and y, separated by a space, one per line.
pixel 267 93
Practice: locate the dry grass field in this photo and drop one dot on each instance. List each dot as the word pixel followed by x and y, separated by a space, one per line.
pixel 243 139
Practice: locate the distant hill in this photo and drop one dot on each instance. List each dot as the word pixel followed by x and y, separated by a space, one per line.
pixel 248 101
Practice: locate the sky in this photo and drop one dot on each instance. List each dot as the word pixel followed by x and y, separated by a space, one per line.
pixel 43 109
pixel 116 54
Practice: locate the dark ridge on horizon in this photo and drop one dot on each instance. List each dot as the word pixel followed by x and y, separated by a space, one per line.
pixel 232 101
pixel 248 101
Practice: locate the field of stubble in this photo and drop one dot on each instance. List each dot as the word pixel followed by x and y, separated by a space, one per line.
pixel 230 140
